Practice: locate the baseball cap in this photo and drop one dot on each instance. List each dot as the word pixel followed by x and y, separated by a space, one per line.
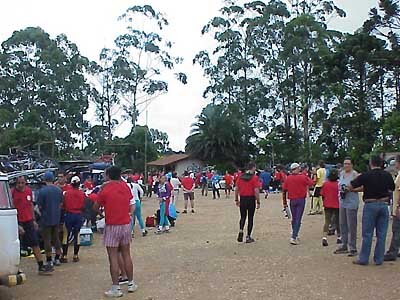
pixel 75 179
pixel 48 176
pixel 294 166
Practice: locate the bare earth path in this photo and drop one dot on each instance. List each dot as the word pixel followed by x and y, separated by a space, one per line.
pixel 200 259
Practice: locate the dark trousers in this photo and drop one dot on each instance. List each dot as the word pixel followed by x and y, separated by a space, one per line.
pixel 247 209
pixel 331 217
pixel 297 209
pixel 395 243
pixel 215 191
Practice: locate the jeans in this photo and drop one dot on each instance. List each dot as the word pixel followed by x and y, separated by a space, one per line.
pixel 137 215
pixel 204 189
pixel 395 243
pixel 297 209
pixel 375 215
pixel 163 217
pixel 348 227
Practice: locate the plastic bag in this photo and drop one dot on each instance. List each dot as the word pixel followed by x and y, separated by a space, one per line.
pixel 172 211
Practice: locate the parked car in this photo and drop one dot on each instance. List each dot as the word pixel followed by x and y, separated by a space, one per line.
pixel 10 275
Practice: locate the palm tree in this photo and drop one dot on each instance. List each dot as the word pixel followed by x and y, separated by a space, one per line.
pixel 218 136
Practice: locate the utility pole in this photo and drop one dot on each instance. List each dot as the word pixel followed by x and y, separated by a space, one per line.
pixel 145 148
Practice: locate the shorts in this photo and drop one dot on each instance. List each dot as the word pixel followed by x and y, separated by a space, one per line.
pixel 317 192
pixel 73 222
pixel 50 235
pixel 30 237
pixel 188 196
pixel 117 235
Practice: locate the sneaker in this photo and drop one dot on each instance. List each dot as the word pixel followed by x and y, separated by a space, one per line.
pixel 166 230
pixel 132 287
pixel 76 258
pixel 293 241
pixel 324 242
pixel 341 250
pixel 64 260
pixel 57 263
pixel 297 241
pixel 240 237
pixel 158 231
pixel 185 211
pixel 339 241
pixel 144 233
pixel 352 253
pixel 389 257
pixel 249 240
pixel 111 293
pixel 122 281
pixel 193 211
pixel 45 270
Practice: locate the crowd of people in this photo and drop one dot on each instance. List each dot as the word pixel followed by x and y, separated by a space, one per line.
pixel 65 204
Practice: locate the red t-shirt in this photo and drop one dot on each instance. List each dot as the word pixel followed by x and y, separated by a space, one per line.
pixel 65 187
pixel 187 183
pixel 228 179
pixel 297 185
pixel 115 197
pixel 330 194
pixel 74 201
pixel 23 204
pixel 94 197
pixel 150 180
pixel 246 187
pixel 280 176
pixel 88 185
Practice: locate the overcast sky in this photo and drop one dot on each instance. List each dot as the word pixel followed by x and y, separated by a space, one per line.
pixel 92 25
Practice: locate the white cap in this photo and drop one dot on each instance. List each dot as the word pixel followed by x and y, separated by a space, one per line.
pixel 294 166
pixel 75 179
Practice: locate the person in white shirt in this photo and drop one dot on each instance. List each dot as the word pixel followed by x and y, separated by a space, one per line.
pixel 137 193
pixel 176 183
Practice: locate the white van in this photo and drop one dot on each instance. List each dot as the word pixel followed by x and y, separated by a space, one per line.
pixel 10 274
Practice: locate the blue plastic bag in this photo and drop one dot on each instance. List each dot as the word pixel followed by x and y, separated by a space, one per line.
pixel 172 211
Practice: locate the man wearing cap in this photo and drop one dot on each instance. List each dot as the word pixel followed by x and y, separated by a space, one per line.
pixel 295 189
pixel 49 200
pixel 74 203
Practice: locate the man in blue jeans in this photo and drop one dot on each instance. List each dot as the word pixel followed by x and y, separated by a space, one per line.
pixel 377 185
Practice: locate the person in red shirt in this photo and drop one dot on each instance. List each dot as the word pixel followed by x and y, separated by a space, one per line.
pixel 88 184
pixel 228 184
pixel 247 198
pixel 330 196
pixel 23 202
pixel 119 204
pixel 74 202
pixel 295 189
pixel 188 186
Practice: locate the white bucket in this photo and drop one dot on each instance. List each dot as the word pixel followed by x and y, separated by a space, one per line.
pixel 9 242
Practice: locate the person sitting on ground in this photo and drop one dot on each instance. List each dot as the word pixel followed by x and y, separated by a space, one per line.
pixel 74 203
pixel 330 196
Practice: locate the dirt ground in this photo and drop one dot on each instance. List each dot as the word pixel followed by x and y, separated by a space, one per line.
pixel 200 259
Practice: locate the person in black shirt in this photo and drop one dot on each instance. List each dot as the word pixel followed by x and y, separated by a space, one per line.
pixel 377 185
